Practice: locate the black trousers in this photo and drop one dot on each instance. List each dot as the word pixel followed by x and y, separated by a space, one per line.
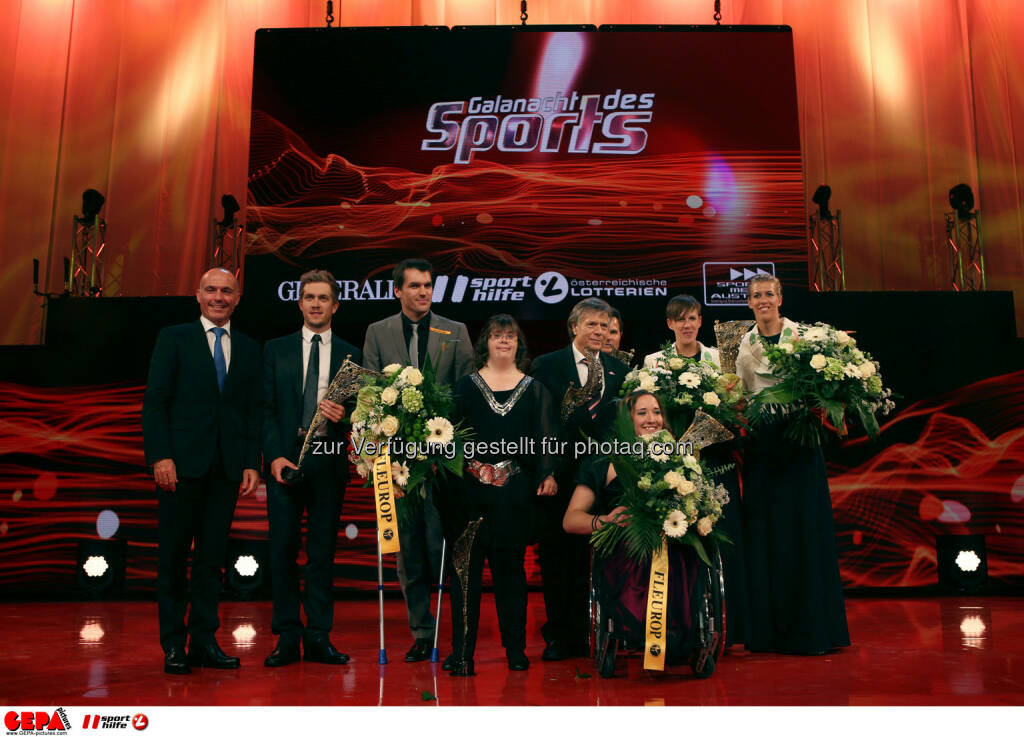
pixel 501 541
pixel 565 573
pixel 199 510
pixel 320 496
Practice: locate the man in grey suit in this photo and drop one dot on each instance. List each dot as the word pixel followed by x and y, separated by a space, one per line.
pixel 408 338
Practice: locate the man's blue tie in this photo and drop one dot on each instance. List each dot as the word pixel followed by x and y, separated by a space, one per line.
pixel 218 357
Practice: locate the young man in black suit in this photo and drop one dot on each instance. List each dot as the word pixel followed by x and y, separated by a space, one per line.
pixel 564 558
pixel 201 427
pixel 297 370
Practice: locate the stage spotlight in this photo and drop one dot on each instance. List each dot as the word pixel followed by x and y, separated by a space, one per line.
pixel 101 566
pixel 962 561
pixel 230 205
pixel 92 203
pixel 247 573
pixel 961 199
pixel 820 198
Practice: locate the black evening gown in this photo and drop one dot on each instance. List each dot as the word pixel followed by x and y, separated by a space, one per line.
pixel 796 594
pixel 525 413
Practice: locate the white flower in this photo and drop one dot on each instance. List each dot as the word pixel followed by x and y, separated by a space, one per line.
pixel 712 399
pixel 675 524
pixel 389 425
pixel 399 473
pixel 685 487
pixel 391 368
pixel 389 396
pixel 787 347
pixel 858 354
pixel 704 525
pixel 842 337
pixel 866 369
pixel 689 379
pixel 673 479
pixel 816 335
pixel 411 376
pixel 632 375
pixel 851 371
pixel 818 362
pixel 439 431
pixel 662 457
pixel 362 469
pixel 647 381
pixel 676 363
pixel 693 464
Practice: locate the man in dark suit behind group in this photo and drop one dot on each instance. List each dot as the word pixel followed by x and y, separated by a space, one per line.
pixel 201 427
pixel 564 558
pixel 297 371
pixel 409 338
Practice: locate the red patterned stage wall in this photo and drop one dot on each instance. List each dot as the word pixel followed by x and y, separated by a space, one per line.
pixel 952 464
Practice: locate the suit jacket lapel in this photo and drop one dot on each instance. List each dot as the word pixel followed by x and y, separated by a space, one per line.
pixel 293 366
pixel 398 340
pixel 434 345
pixel 202 346
pixel 571 373
pixel 338 354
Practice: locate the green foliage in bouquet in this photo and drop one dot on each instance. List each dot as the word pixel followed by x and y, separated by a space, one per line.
pixel 825 379
pixel 685 385
pixel 668 496
pixel 411 409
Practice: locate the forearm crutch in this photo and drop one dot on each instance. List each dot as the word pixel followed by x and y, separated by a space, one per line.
pixel 382 657
pixel 434 655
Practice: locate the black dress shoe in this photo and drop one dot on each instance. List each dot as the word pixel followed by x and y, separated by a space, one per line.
pixel 322 651
pixel 517 659
pixel 449 662
pixel 176 662
pixel 283 655
pixel 420 650
pixel 555 650
pixel 462 669
pixel 211 656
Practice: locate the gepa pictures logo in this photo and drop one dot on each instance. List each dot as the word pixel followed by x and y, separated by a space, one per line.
pixel 574 123
pixel 37 722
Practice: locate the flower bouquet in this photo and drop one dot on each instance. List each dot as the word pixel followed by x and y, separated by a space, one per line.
pixel 669 496
pixel 824 379
pixel 405 411
pixel 685 386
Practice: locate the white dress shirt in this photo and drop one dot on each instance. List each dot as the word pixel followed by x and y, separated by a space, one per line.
pixel 323 376
pixel 225 340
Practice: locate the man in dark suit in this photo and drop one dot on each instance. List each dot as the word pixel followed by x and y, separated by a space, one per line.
pixel 201 427
pixel 564 558
pixel 297 370
pixel 408 338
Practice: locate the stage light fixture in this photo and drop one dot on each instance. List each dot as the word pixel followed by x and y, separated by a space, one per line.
pixel 961 199
pixel 101 567
pixel 962 562
pixel 247 573
pixel 231 207
pixel 92 203
pixel 821 197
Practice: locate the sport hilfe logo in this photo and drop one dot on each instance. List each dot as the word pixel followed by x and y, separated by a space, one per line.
pixel 540 124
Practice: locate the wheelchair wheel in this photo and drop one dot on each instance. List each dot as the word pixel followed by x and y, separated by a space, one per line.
pixel 605 643
pixel 709 620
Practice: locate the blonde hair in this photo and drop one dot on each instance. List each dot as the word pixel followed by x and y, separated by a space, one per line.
pixel 763 278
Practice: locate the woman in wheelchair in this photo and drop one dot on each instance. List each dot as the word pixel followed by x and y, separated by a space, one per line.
pixel 621 582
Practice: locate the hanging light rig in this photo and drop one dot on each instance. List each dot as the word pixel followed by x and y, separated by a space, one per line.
pixel 523 15
pixel 330 13
pixel 718 12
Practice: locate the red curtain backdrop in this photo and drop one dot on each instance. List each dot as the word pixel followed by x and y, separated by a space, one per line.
pixel 148 101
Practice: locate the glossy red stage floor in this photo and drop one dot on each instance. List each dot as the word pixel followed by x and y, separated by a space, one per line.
pixel 928 651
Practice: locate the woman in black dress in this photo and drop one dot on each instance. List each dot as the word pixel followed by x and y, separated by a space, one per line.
pixel 796 594
pixel 509 415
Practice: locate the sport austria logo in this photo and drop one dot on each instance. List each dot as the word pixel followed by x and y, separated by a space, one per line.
pixel 37 722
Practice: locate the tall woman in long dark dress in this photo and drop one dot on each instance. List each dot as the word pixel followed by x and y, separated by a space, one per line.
pixel 796 594
pixel 499 404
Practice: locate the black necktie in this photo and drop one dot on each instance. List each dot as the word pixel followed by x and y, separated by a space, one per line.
pixel 309 391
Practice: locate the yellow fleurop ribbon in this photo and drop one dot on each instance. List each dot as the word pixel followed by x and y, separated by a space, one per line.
pixel 384 496
pixel 657 610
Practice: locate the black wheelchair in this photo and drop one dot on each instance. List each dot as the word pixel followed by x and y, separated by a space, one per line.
pixel 702 642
